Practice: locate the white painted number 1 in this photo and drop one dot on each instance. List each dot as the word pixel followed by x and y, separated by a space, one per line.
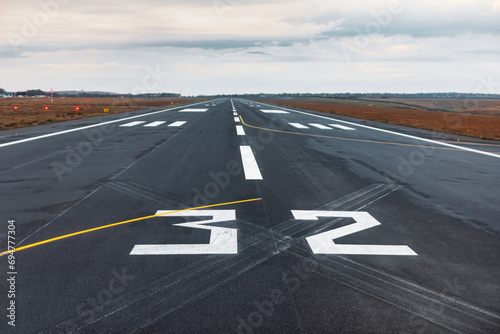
pixel 223 240
pixel 323 243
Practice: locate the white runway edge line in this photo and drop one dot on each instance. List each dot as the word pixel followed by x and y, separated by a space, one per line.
pixel 89 126
pixel 153 124
pixel 193 110
pixel 239 130
pixel 178 123
pixel 399 134
pixel 132 124
pixel 250 167
pixel 273 111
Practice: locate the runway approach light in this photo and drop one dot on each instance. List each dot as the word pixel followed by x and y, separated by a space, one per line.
pixel 15 107
pixel 46 108
pixel 77 108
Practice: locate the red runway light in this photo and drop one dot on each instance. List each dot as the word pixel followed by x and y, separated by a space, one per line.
pixel 15 108
pixel 46 108
pixel 77 108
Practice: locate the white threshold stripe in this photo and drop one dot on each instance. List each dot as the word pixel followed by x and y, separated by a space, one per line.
pixel 250 167
pixel 338 126
pixel 320 126
pixel 178 123
pixel 155 123
pixel 237 119
pixel 193 110
pixel 89 126
pixel 132 124
pixel 299 126
pixel 398 134
pixel 239 130
pixel 272 111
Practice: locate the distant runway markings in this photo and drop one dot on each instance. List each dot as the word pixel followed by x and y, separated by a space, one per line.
pixel 239 130
pixel 320 126
pixel 178 123
pixel 193 110
pixel 235 113
pixel 299 126
pixel 153 124
pixel 132 124
pixel 237 119
pixel 274 111
pixel 342 127
pixel 250 167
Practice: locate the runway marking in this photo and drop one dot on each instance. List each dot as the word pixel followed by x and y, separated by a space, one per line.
pixel 320 126
pixel 178 123
pixel 132 124
pixel 232 105
pixel 343 138
pixel 155 123
pixel 456 147
pixel 239 130
pixel 223 240
pixel 299 126
pixel 342 127
pixel 87 127
pixel 323 243
pixel 250 167
pixel 237 119
pixel 193 110
pixel 273 111
pixel 235 114
pixel 122 223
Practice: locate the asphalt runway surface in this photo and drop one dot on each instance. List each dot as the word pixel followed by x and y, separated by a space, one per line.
pixel 233 216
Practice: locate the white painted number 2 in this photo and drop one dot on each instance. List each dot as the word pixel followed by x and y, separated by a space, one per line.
pixel 223 240
pixel 323 243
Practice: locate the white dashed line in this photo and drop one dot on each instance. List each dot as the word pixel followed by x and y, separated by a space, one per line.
pixel 320 126
pixel 132 124
pixel 342 127
pixel 273 111
pixel 299 126
pixel 155 124
pixel 178 123
pixel 239 130
pixel 235 113
pixel 250 166
pixel 193 110
pixel 237 119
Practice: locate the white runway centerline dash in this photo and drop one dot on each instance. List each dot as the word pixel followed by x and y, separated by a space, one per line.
pixel 132 124
pixel 239 130
pixel 250 167
pixel 237 119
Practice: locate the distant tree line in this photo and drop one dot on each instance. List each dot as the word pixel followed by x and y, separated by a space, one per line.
pixel 350 96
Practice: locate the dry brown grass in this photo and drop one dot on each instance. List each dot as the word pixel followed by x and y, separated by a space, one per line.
pixel 468 106
pixel 479 126
pixel 31 110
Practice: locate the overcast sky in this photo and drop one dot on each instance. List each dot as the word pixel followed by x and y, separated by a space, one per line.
pixel 244 46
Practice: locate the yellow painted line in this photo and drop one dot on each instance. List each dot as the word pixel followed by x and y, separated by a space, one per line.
pixel 343 138
pixel 121 223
